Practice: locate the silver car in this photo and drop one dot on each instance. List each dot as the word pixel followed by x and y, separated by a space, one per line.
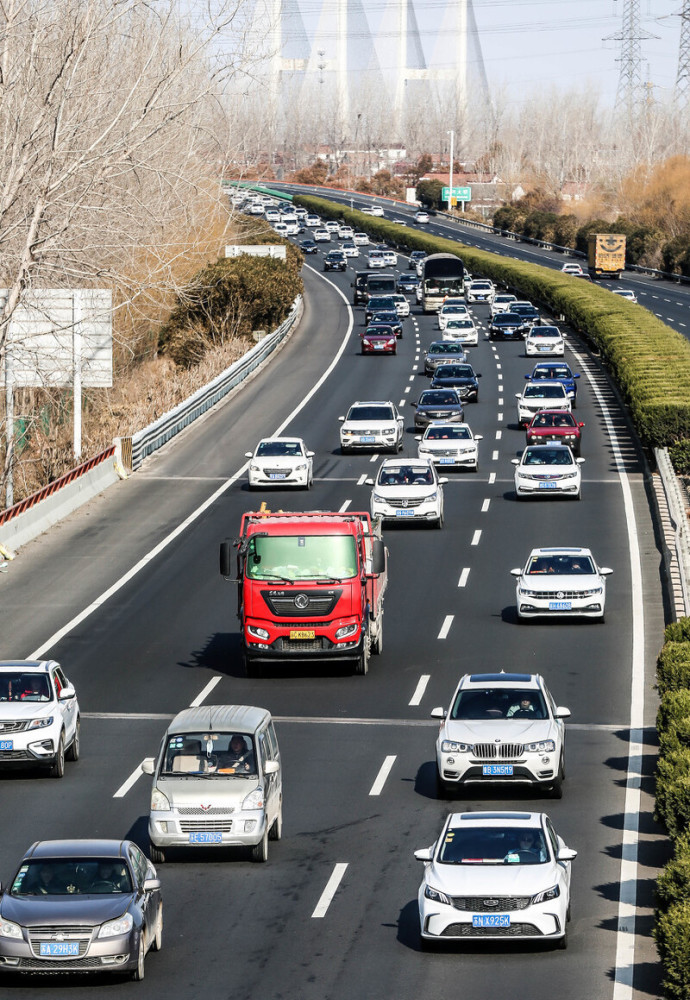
pixel 81 906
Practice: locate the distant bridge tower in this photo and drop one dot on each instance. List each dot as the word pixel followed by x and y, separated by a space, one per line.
pixel 409 59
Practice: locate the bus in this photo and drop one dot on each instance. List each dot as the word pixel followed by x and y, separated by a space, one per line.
pixel 442 276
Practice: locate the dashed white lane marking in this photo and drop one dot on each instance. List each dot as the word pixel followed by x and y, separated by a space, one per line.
pixel 360 481
pixel 498 367
pixel 203 694
pixel 386 767
pixel 330 890
pixel 462 582
pixel 499 435
pixel 445 628
pixel 402 401
pixel 415 367
pixel 485 506
pixel 476 536
pixel 500 401
pixel 411 378
pixel 374 457
pixel 500 377
pixel 419 690
pixel 343 507
pixel 492 476
pixel 133 778
pixel 500 418
pixel 494 458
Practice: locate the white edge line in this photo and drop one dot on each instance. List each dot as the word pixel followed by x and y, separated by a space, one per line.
pixel 330 890
pixel 385 770
pixel 205 691
pixel 419 690
pixel 125 787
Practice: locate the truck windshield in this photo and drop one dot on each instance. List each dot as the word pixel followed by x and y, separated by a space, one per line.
pixel 301 557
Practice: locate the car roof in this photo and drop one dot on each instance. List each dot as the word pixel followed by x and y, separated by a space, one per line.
pixel 281 440
pixel 546 383
pixel 371 402
pixel 40 666
pixel 78 848
pixel 497 818
pixel 560 550
pixel 533 681
pixel 247 718
pixel 403 460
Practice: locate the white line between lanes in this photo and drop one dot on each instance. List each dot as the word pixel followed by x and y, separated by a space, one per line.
pixel 39 653
pixel 476 536
pixel 462 582
pixel 492 477
pixel 330 890
pixel 343 507
pixel 499 435
pixel 204 692
pixel 419 690
pixel 494 458
pixel 386 768
pixel 485 506
pixel 360 481
pixel 133 778
pixel 401 403
pixel 374 458
pixel 445 628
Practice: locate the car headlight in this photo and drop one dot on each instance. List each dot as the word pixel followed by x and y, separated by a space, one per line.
pixel 569 475
pixel 9 929
pixel 541 746
pixel 255 799
pixel 529 593
pixel 542 897
pixel 389 430
pixel 436 895
pixel 41 723
pixel 116 928
pixel 253 467
pixel 432 496
pixel 451 746
pixel 301 468
pixel 377 498
pixel 159 802
pixel 591 593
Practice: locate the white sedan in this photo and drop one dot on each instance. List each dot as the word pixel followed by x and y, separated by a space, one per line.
pixel 349 249
pixel 495 875
pixel 501 302
pixel 407 489
pixel 360 240
pixel 544 340
pixel 390 258
pixel 541 395
pixel 462 331
pixel 422 217
pixel 479 290
pixel 453 446
pixel 561 582
pixel 375 259
pixel 454 309
pixel 322 236
pixel 402 306
pixel 280 461
pixel 571 269
pixel 548 470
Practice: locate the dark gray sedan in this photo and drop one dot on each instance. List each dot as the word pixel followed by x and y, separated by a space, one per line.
pixel 81 906
pixel 437 404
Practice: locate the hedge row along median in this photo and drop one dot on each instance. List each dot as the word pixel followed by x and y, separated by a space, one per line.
pixel 649 361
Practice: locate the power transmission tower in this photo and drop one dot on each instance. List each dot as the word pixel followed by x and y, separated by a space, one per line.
pixel 683 75
pixel 629 95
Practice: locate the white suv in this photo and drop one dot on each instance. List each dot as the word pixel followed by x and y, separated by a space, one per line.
pixel 39 715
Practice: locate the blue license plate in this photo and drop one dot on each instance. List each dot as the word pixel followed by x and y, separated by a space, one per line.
pixel 560 606
pixel 6 744
pixel 367 439
pixel 545 347
pixel 447 461
pixel 491 920
pixel 404 513
pixel 277 475
pixel 206 838
pixel 548 486
pixel 58 949
pixel 498 769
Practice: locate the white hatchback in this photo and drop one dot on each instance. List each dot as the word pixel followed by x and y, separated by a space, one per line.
pixel 548 470
pixel 546 341
pixel 280 461
pixel 407 489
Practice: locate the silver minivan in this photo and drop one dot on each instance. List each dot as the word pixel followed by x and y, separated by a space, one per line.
pixel 216 782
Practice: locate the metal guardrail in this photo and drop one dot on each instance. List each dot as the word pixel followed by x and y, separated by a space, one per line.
pixel 158 433
pixel 677 509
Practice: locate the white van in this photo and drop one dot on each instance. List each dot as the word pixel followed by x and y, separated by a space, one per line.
pixel 217 782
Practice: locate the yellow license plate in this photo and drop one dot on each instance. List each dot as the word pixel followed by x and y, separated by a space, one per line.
pixel 302 633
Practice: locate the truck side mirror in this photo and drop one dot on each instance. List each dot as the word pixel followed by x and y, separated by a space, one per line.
pixel 226 559
pixel 378 556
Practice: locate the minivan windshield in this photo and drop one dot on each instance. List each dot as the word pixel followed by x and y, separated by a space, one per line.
pixel 209 754
pixel 301 557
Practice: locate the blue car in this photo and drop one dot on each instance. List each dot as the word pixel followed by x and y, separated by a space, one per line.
pixel 557 371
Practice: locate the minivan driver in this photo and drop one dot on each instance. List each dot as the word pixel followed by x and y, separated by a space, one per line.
pixel 238 757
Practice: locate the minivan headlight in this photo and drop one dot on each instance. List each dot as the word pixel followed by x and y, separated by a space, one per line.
pixel 159 802
pixel 255 799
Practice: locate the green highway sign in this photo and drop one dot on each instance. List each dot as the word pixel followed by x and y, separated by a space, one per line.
pixel 459 193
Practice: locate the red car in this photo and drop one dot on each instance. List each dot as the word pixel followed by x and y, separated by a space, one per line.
pixel 555 425
pixel 379 339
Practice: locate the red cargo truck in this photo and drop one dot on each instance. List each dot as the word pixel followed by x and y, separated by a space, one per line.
pixel 310 586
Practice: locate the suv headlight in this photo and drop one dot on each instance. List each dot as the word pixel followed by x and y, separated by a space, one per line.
pixel 255 799
pixel 432 496
pixel 116 928
pixel 451 746
pixel 377 498
pixel 542 897
pixel 541 746
pixel 9 929
pixel 159 802
pixel 591 593
pixel 41 723
pixel 436 895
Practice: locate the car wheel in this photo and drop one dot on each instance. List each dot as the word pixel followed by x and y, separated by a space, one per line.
pixel 439 523
pixel 276 831
pixel 578 495
pixel 157 942
pixel 157 854
pixel 260 850
pixel 562 943
pixel 58 767
pixel 73 749
pixel 138 973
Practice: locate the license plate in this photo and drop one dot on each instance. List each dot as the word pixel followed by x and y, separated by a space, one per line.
pixel 302 633
pixel 404 513
pixel 447 461
pixel 205 837
pixel 367 439
pixel 491 920
pixel 277 475
pixel 498 769
pixel 560 606
pixel 6 744
pixel 545 347
pixel 548 486
pixel 58 949
pixel 378 347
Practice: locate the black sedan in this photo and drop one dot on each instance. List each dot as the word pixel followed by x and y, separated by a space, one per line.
pixel 460 377
pixel 528 312
pixel 335 260
pixel 507 326
pixel 407 283
pixel 387 318
pixel 308 246
pixel 443 352
pixel 81 906
pixel 437 404
pixel 378 303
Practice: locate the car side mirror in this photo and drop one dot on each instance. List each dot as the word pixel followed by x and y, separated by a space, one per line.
pixel 580 425
pixel 67 693
pixel 562 713
pixel 579 461
pixel 151 883
pixel 566 854
pixel 527 376
pixel 577 375
pixel 438 713
pixel 443 479
pixel 425 854
pixel 148 765
pixel 341 418
pixel 418 437
pixel 478 437
pixel 413 405
pixel 226 559
pixel 516 572
pixel 518 395
pixel 515 461
pixel 310 454
pixel 248 454
pixel 605 571
pixel 271 767
pixel 368 482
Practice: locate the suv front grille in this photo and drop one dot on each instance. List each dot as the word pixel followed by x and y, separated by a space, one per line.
pixel 13 727
pixel 498 904
pixel 504 751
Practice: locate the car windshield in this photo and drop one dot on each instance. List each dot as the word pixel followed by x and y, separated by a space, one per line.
pixel 523 310
pixel 552 371
pixel 380 285
pixel 301 557
pixel 435 397
pixel 444 347
pixel 547 456
pixel 506 319
pixel 406 475
pixel 383 316
pixel 459 324
pixel 360 413
pixel 19 686
pixel 381 302
pixel 457 432
pixel 563 565
pixel 212 754
pixel 380 329
pixel 554 420
pixel 72 876
pixel 292 449
pixel 478 286
pixel 545 331
pixel 454 371
pixel 451 310
pixel 544 391
pixel 491 845
pixel 504 299
pixel 499 703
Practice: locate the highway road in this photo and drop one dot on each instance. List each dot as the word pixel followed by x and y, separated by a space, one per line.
pixel 134 608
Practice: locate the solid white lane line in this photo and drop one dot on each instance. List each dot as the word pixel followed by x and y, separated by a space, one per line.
pixel 382 775
pixel 476 536
pixel 343 507
pixel 204 692
pixel 419 690
pixel 445 628
pixel 133 778
pixel 462 582
pixel 330 890
pixel 492 477
pixel 360 481
pixel 163 544
pixel 485 506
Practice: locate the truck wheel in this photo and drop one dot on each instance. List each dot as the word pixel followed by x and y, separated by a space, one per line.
pixel 362 662
pixel 377 643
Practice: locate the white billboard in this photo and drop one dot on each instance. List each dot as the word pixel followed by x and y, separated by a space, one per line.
pixel 259 250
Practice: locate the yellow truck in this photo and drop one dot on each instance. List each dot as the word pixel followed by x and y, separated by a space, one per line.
pixel 605 255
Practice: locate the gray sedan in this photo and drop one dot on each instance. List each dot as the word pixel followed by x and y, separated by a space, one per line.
pixel 81 906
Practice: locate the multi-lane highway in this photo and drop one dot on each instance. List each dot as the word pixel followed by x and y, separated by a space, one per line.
pixel 127 596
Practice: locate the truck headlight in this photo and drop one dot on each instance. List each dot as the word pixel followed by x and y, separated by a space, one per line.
pixel 346 630
pixel 258 633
